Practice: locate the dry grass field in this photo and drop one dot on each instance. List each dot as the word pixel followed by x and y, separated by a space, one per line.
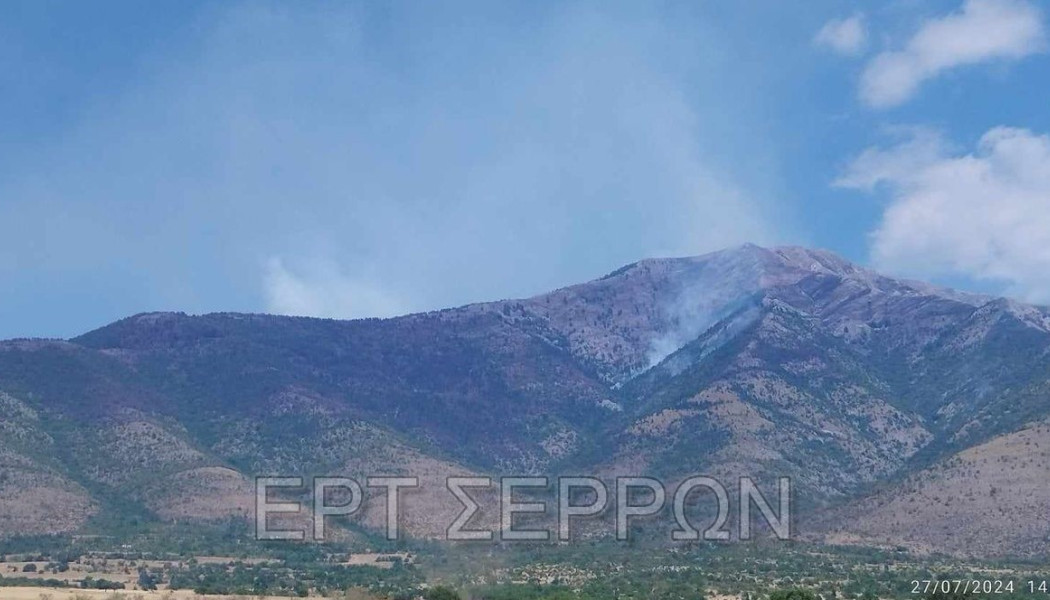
pixel 38 593
pixel 35 593
pixel 125 572
pixel 116 570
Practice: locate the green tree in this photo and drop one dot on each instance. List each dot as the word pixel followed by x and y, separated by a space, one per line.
pixel 951 595
pixel 441 593
pixel 147 581
pixel 795 594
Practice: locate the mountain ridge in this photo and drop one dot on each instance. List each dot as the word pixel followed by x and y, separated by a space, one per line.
pixel 765 362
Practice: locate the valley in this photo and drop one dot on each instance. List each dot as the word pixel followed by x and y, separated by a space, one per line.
pixel 486 573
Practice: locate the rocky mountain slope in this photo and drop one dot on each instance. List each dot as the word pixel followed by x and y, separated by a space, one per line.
pixel 749 361
pixel 985 500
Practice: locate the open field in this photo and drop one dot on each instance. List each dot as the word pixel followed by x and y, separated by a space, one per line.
pixel 578 572
pixel 35 593
pixel 124 572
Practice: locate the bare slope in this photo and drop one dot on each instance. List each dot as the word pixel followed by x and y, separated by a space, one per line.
pixel 992 499
pixel 766 362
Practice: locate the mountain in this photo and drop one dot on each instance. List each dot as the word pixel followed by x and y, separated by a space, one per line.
pixel 998 486
pixel 749 361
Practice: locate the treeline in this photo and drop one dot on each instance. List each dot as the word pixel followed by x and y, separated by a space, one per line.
pixel 291 580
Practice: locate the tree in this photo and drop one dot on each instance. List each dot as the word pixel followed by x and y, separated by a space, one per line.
pixel 954 594
pixel 441 593
pixel 146 581
pixel 792 595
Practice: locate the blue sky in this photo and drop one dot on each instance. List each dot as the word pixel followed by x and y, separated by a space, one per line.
pixel 369 159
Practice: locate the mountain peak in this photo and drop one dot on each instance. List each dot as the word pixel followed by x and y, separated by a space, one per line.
pixel 816 260
pixel 636 316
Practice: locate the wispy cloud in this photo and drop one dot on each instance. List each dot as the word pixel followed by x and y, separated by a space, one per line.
pixel 847 36
pixel 983 214
pixel 980 31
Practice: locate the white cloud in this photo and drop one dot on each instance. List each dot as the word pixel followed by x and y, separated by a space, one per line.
pixel 984 214
pixel 845 36
pixel 321 290
pixel 920 147
pixel 981 31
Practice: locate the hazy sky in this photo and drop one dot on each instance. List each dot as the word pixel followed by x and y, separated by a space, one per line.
pixel 368 159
